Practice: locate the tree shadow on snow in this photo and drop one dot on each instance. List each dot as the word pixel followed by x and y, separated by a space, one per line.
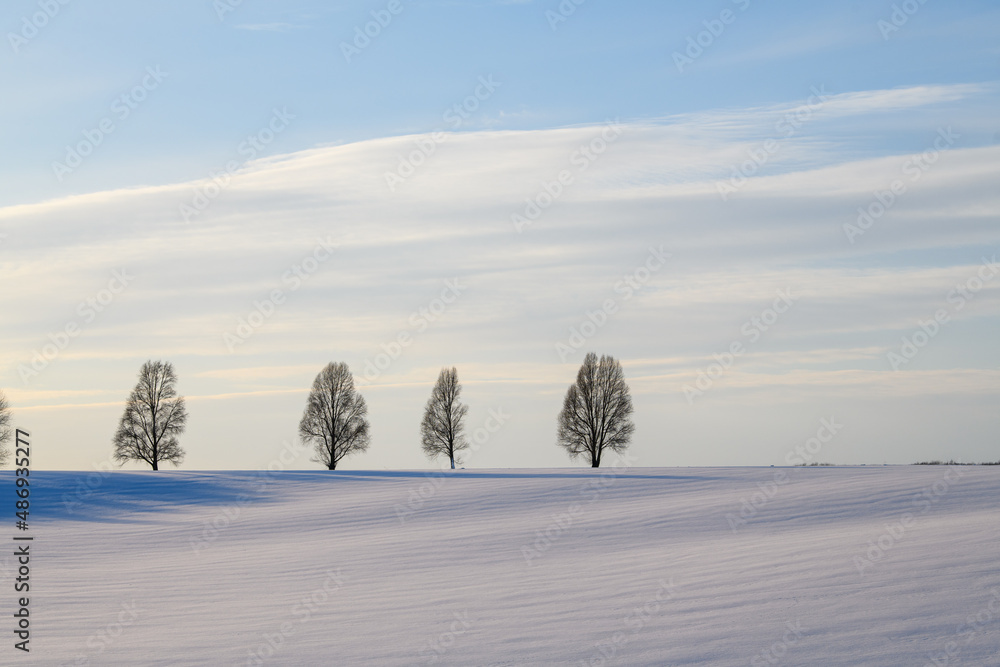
pixel 565 474
pixel 115 496
pixel 118 496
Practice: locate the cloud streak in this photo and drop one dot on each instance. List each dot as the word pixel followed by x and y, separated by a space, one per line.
pixel 654 186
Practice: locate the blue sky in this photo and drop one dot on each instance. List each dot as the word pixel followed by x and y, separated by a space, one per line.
pixel 837 104
pixel 605 60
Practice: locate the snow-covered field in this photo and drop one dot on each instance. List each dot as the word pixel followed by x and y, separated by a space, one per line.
pixel 640 566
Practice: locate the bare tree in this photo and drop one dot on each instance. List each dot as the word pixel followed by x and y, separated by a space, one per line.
pixel 335 416
pixel 596 412
pixel 444 419
pixel 5 430
pixel 154 416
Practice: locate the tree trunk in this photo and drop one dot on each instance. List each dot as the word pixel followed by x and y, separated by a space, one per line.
pixel 453 462
pixel 154 466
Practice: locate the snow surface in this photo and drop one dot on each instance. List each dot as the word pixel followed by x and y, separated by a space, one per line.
pixel 641 567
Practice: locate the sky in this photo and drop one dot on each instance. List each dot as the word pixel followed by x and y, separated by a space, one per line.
pixel 780 217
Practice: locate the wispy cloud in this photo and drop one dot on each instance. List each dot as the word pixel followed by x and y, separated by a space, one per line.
pixel 653 186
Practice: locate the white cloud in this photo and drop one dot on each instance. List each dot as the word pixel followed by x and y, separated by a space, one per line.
pixel 654 185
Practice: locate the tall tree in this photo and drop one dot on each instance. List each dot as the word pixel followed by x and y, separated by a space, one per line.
pixel 441 431
pixel 335 419
pixel 596 413
pixel 5 430
pixel 154 416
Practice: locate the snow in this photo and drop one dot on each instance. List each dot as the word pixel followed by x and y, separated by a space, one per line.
pixel 642 567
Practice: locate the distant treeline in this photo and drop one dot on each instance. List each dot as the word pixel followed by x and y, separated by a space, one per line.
pixel 919 463
pixel 954 463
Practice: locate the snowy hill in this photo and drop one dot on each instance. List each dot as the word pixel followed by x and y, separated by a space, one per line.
pixel 720 566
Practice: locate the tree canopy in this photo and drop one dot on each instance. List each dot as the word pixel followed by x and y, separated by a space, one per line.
pixel 442 429
pixel 335 418
pixel 596 413
pixel 154 416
